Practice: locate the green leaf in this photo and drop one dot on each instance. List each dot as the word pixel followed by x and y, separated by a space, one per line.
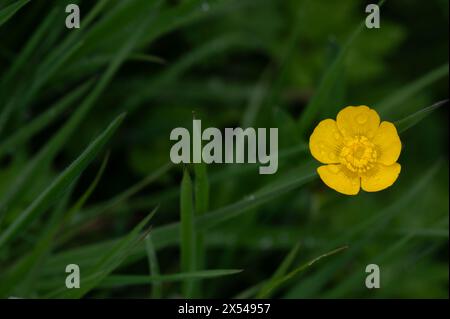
pixel 19 274
pixel 9 11
pixel 187 233
pixel 402 95
pixel 108 206
pixel 50 150
pixel 329 81
pixel 82 200
pixel 170 234
pixel 106 264
pixel 42 121
pixel 361 235
pixel 279 282
pixel 127 280
pixel 153 266
pixel 279 273
pixel 59 185
pixel 201 207
pixel 411 120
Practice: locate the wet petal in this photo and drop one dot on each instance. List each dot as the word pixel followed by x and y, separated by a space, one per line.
pixel 340 179
pixel 388 143
pixel 380 177
pixel 325 142
pixel 358 120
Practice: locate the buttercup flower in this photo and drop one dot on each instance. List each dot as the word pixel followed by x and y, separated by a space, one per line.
pixel 358 151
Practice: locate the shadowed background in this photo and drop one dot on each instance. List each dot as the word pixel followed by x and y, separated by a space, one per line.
pixel 260 63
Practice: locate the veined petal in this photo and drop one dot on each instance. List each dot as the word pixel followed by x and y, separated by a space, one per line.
pixel 358 120
pixel 380 177
pixel 388 143
pixel 339 178
pixel 325 142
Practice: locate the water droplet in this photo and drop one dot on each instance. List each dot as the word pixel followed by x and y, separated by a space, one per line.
pixel 265 243
pixel 337 136
pixel 205 6
pixel 361 119
pixel 332 156
pixel 322 145
pixel 333 169
pixel 251 197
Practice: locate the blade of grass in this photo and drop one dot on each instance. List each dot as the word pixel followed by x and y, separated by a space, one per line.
pixel 357 277
pixel 42 121
pixel 279 282
pixel 59 185
pixel 58 141
pixel 8 80
pixel 169 234
pixel 187 233
pixel 360 236
pixel 18 276
pixel 279 273
pixel 115 281
pixel 328 83
pixel 45 243
pixel 153 267
pixel 402 95
pixel 411 120
pixel 218 45
pixel 82 200
pixel 107 263
pixel 127 280
pixel 201 207
pixel 109 205
pixel 8 12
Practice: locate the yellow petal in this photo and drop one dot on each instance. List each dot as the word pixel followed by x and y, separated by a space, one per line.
pixel 340 179
pixel 380 177
pixel 325 142
pixel 388 143
pixel 358 120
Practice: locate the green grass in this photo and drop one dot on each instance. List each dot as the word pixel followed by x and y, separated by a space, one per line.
pixel 78 178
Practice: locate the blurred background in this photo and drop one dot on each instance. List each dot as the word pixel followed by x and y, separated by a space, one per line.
pixel 260 63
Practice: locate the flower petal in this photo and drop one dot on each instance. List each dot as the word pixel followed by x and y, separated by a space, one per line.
pixel 388 143
pixel 358 120
pixel 380 177
pixel 340 179
pixel 325 142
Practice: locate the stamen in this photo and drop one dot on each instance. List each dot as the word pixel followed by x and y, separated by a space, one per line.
pixel 358 154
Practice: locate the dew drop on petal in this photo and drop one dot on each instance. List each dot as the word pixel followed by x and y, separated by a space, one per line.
pixel 333 169
pixel 361 119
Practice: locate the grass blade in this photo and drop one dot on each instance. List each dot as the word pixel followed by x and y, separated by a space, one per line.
pixel 292 274
pixel 57 142
pixel 411 120
pixel 126 280
pixel 329 81
pixel 52 193
pixel 106 264
pixel 402 95
pixel 187 233
pixel 42 121
pixel 8 12
pixel 153 266
pixel 279 273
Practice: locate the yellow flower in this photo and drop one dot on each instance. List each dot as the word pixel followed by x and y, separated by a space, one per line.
pixel 358 150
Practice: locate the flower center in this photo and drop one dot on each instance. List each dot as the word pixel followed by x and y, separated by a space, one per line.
pixel 358 154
